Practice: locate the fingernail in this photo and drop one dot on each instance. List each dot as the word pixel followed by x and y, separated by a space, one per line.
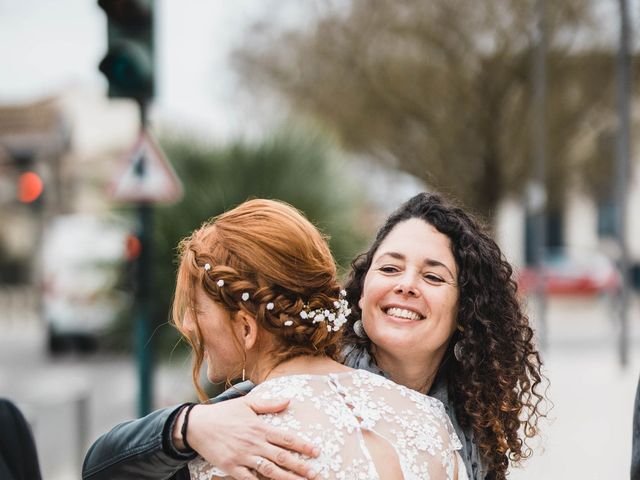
pixel 312 473
pixel 316 451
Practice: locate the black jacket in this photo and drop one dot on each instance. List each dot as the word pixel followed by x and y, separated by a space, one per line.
pixel 18 456
pixel 141 449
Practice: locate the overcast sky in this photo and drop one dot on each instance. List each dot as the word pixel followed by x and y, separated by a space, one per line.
pixel 51 46
pixel 48 47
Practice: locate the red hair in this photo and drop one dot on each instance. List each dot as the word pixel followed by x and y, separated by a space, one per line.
pixel 268 249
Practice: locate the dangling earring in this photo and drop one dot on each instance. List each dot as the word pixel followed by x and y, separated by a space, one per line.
pixel 358 328
pixel 458 351
pixel 244 363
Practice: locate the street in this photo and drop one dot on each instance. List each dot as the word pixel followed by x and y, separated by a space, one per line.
pixel 73 399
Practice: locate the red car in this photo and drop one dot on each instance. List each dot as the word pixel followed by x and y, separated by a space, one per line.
pixel 573 273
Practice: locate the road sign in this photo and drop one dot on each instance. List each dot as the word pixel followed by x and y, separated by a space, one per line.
pixel 147 177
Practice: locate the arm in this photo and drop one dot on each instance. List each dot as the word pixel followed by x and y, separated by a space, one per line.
pixel 228 434
pixel 136 449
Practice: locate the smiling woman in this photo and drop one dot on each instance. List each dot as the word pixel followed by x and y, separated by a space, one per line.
pixel 435 308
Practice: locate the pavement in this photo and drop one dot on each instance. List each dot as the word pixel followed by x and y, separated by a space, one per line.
pixel 72 399
pixel 587 434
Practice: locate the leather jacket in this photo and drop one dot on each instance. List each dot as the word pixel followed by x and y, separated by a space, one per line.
pixel 141 449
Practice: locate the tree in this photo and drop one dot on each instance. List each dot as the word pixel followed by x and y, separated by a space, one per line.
pixel 442 89
pixel 297 167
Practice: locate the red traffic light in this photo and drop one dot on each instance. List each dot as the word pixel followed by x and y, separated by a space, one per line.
pixel 133 248
pixel 30 187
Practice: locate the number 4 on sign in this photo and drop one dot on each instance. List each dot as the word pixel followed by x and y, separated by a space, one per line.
pixel 147 176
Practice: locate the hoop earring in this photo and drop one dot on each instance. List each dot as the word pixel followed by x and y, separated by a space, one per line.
pixel 458 351
pixel 358 329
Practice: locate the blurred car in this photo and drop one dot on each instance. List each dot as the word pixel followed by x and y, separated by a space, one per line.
pixel 81 261
pixel 573 272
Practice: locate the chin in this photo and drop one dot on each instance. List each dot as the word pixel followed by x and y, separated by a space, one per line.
pixel 396 343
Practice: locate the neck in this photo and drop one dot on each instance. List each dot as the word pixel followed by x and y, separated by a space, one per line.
pixel 295 366
pixel 407 371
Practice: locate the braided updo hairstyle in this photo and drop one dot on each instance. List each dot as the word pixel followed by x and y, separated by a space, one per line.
pixel 268 252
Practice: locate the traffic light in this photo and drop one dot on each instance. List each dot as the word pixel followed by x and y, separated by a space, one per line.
pixel 30 187
pixel 128 64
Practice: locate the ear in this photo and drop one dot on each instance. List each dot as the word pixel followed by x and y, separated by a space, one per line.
pixel 247 330
pixel 360 302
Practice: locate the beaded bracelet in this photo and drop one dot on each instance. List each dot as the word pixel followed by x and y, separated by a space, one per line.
pixel 185 423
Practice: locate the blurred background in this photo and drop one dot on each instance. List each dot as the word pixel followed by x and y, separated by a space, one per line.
pixel 125 123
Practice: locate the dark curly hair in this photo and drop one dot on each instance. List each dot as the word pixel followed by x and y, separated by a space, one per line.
pixel 494 388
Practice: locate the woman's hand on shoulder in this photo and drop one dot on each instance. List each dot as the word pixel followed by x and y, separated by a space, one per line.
pixel 231 436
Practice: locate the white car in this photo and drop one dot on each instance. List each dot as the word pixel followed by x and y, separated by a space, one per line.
pixel 81 261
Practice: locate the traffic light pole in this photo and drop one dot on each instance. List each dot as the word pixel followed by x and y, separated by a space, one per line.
pixel 143 341
pixel 129 69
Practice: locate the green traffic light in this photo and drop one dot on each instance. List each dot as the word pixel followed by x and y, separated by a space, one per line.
pixel 128 64
pixel 129 69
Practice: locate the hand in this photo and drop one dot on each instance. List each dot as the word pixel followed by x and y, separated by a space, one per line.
pixel 231 436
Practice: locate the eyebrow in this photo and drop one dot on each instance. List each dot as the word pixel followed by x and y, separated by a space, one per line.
pixel 430 262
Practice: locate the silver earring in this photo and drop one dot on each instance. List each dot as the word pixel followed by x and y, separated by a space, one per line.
pixel 458 351
pixel 358 328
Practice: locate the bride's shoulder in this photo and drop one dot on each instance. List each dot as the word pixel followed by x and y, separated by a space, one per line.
pixel 364 377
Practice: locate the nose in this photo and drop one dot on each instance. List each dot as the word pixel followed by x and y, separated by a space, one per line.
pixel 407 286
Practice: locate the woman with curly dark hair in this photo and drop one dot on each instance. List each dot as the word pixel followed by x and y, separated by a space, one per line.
pixel 434 309
pixel 434 286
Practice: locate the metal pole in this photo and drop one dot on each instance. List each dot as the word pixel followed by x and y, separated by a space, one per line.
pixel 82 419
pixel 539 191
pixel 145 277
pixel 622 173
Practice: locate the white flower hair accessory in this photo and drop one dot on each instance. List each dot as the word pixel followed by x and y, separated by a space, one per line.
pixel 335 318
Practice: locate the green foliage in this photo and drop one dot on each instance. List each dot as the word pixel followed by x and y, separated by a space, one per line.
pixel 299 168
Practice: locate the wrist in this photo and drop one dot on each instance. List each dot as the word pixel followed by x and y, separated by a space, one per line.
pixel 180 428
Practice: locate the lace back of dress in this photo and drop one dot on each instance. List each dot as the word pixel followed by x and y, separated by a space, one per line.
pixel 367 427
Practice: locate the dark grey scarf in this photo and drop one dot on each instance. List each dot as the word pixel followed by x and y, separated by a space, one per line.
pixel 356 356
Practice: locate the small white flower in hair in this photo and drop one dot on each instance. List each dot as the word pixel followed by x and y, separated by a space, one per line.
pixel 288 323
pixel 304 314
pixel 245 296
pixel 220 282
pixel 207 266
pixel 270 306
pixel 343 293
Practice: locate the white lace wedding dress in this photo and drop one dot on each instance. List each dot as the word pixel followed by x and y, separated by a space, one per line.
pixel 335 411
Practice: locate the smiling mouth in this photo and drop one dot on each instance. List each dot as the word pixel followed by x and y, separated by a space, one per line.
pixel 403 313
